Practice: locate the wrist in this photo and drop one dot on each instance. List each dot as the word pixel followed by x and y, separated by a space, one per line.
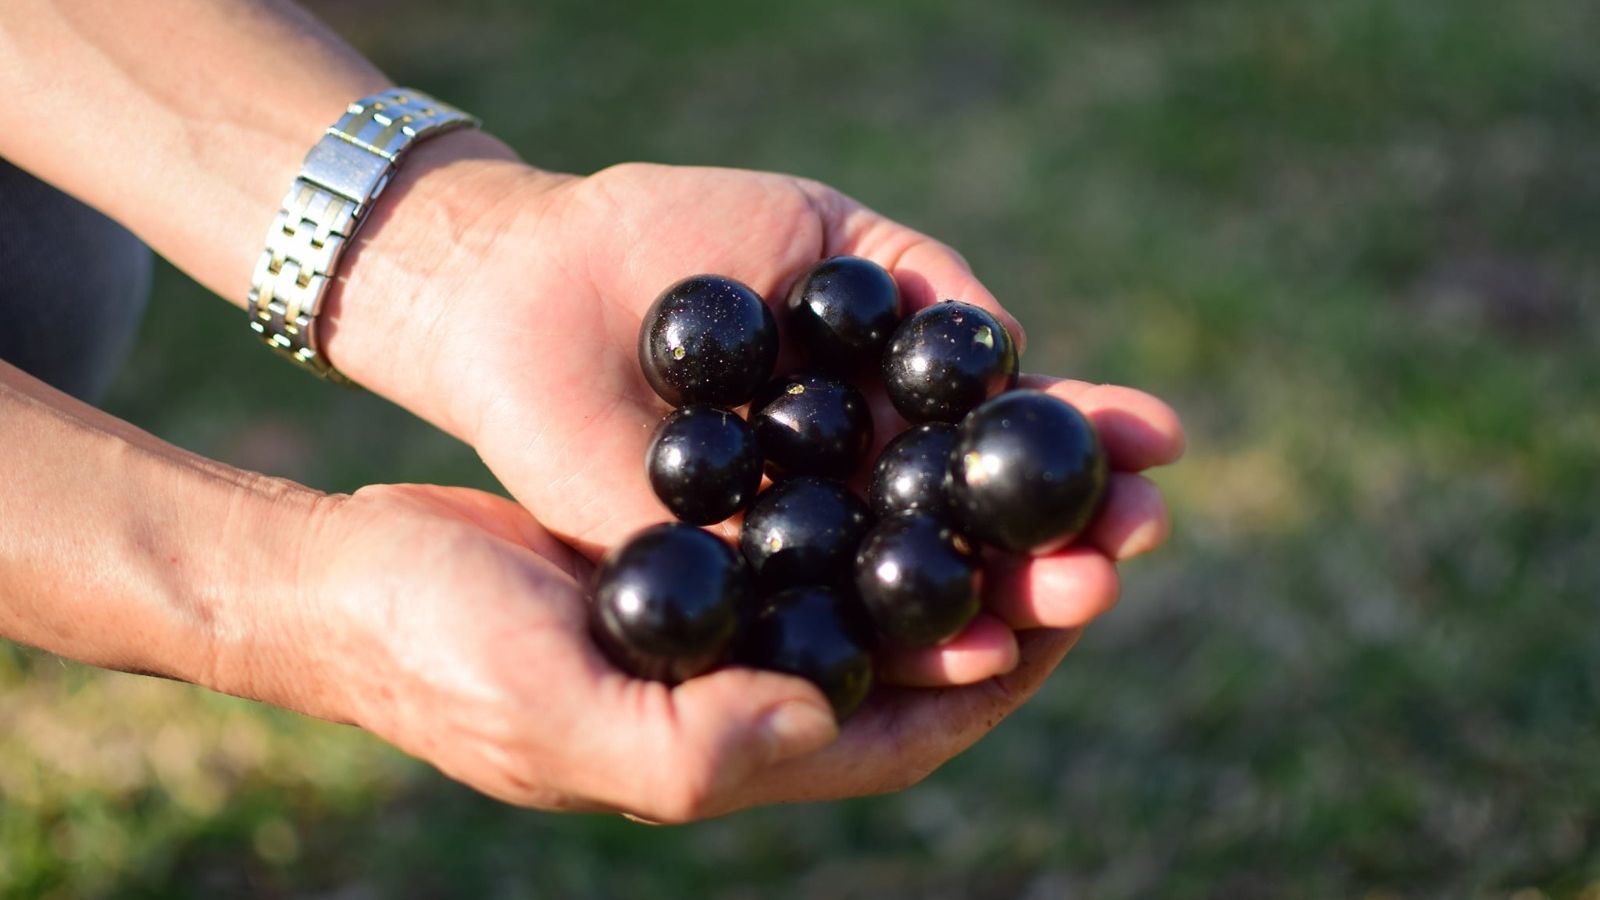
pixel 259 594
pixel 389 320
pixel 121 551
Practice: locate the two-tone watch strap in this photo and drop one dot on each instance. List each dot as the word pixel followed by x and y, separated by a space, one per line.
pixel 341 177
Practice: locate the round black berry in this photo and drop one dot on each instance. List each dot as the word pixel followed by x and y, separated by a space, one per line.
pixel 819 635
pixel 945 360
pixel 844 310
pixel 708 339
pixel 1027 473
pixel 811 425
pixel 803 531
pixel 918 578
pixel 667 602
pixel 912 471
pixel 703 464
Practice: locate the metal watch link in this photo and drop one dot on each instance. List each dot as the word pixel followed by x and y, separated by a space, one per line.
pixel 340 179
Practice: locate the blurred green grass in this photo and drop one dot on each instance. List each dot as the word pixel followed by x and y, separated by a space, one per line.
pixel 1352 241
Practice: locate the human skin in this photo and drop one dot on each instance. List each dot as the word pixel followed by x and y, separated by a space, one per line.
pixel 501 303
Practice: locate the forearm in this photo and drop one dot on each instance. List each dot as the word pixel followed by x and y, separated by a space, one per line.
pixel 121 551
pixel 187 120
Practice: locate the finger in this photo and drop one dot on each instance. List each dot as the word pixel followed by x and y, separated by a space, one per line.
pixel 1138 430
pixel 887 423
pixel 684 753
pixel 1133 520
pixel 1068 589
pixel 928 271
pixel 903 734
pixel 954 718
pixel 986 648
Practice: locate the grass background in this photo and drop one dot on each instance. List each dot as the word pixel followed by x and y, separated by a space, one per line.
pixel 1353 241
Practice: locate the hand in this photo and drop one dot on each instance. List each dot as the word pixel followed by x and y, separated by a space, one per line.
pixel 502 304
pixel 532 358
pixel 566 411
pixel 450 623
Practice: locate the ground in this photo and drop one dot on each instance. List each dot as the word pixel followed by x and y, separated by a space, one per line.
pixel 1353 241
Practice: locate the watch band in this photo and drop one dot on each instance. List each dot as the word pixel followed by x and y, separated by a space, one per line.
pixel 341 177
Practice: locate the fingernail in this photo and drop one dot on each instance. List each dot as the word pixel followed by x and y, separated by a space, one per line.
pixel 797 728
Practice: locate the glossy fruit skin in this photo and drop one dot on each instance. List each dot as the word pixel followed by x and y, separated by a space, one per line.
pixel 803 531
pixel 810 424
pixel 708 339
pixel 913 470
pixel 704 464
pixel 1027 473
pixel 919 579
pixel 945 360
pixel 844 309
pixel 817 634
pixel 666 603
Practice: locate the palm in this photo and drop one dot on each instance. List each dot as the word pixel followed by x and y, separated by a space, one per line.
pixel 551 396
pixel 574 414
pixel 457 613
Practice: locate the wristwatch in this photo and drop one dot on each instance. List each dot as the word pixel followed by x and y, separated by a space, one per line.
pixel 340 179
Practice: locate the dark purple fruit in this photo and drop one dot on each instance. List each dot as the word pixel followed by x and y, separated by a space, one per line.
pixel 703 464
pixel 918 578
pixel 811 425
pixel 912 470
pixel 708 339
pixel 844 310
pixel 819 635
pixel 1027 473
pixel 667 602
pixel 803 531
pixel 947 359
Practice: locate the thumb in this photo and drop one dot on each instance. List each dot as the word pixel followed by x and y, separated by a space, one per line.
pixel 712 734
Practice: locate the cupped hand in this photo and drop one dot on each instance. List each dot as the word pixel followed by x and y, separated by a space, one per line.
pixel 532 319
pixel 448 622
pixel 569 415
pixel 566 413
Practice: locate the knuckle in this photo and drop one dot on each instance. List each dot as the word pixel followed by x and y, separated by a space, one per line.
pixel 1104 583
pixel 624 170
pixel 954 254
